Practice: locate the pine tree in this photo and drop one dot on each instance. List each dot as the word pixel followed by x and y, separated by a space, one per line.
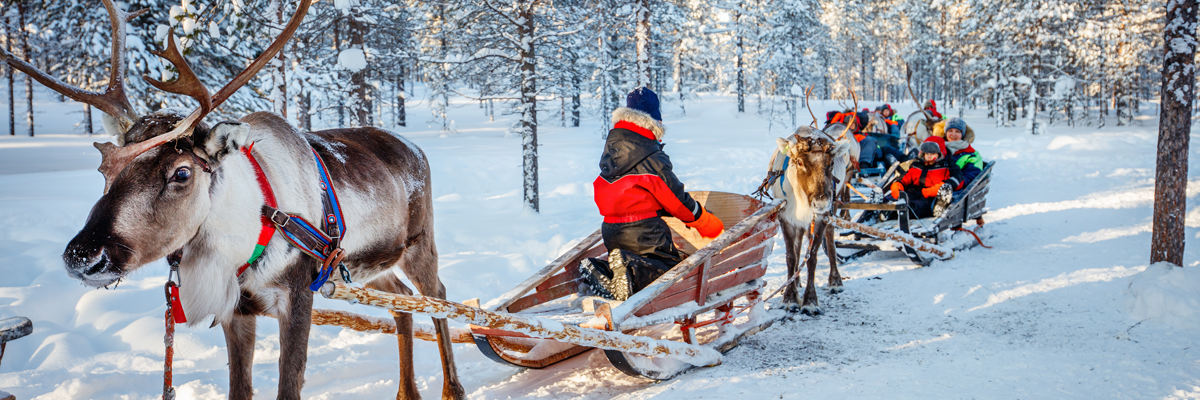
pixel 1175 127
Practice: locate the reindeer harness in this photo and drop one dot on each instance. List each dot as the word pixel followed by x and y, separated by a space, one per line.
pixel 299 232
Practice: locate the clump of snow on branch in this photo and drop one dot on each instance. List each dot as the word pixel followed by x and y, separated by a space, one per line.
pixel 353 59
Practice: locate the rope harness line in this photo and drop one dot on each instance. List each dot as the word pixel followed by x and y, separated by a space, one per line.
pixel 978 221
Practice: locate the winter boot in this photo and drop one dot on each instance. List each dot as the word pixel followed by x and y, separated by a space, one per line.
pixel 595 277
pixel 944 197
pixel 618 286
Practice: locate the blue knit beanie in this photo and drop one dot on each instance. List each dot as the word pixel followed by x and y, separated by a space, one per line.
pixel 644 100
pixel 956 123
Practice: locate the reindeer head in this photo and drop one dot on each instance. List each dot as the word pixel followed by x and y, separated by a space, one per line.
pixel 811 161
pixel 157 177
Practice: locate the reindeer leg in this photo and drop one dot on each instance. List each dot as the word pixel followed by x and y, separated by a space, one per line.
pixel 404 335
pixel 791 301
pixel 420 265
pixel 835 277
pixel 293 334
pixel 239 341
pixel 811 307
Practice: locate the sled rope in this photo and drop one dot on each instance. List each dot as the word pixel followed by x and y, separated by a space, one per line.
pixel 920 245
pixel 530 326
pixel 799 269
pixel 977 239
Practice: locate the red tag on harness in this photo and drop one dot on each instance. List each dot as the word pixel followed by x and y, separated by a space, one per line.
pixel 177 306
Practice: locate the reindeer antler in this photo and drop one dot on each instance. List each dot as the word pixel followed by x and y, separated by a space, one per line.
pixel 187 83
pixel 112 100
pixel 908 82
pixel 808 104
pixel 116 158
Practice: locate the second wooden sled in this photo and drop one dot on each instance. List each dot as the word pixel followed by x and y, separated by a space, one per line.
pixel 700 301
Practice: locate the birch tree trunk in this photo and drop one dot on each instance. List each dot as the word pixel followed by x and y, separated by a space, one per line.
pixel 1174 128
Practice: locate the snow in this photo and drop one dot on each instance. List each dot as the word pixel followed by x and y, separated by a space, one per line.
pixel 352 59
pixel 1065 305
pixel 1166 294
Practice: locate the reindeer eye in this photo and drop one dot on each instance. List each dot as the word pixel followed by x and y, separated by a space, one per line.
pixel 182 174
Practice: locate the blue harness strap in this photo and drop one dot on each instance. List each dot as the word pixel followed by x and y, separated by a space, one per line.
pixel 316 242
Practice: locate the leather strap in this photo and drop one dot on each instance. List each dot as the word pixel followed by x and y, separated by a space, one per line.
pixel 268 228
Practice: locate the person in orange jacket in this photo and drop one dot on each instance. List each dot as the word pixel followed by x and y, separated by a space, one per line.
pixel 636 187
pixel 930 182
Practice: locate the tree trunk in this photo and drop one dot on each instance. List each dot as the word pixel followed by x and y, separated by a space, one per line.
pixel 337 48
pixel 1174 129
pixel 361 110
pixel 642 16
pixel 741 72
pixel 576 102
pixel 401 116
pixel 8 72
pixel 528 105
pixel 279 77
pixel 87 119
pixel 25 50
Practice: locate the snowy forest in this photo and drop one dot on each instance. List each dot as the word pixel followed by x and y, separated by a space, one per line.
pixel 353 62
pixel 1010 263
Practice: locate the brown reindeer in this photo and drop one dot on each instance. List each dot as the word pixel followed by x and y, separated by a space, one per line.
pixel 176 183
pixel 816 169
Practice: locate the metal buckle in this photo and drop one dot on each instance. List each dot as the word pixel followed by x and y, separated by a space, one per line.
pixel 174 278
pixel 286 218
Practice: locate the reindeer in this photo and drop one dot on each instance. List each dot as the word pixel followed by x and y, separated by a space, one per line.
pixel 176 183
pixel 816 169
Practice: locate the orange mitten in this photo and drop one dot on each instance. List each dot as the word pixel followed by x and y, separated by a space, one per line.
pixel 930 191
pixel 896 189
pixel 708 225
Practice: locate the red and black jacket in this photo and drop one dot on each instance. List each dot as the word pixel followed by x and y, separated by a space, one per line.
pixel 921 176
pixel 636 181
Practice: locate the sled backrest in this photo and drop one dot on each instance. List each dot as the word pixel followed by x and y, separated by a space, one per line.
pixel 730 208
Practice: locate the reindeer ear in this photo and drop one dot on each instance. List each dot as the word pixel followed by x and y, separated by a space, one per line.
pixel 783 145
pixel 841 149
pixel 224 138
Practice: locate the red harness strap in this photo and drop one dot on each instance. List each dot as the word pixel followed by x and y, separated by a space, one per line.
pixel 268 228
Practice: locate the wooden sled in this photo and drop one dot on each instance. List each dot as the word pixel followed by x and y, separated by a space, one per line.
pixel 696 302
pixel 942 233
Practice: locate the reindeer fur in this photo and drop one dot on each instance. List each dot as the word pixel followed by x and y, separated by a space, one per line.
pixel 815 161
pixel 382 182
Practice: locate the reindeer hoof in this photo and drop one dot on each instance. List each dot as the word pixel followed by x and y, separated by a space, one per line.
pixel 811 310
pixel 791 307
pixel 836 289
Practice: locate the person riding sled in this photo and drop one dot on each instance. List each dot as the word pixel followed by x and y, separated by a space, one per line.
pixel 960 151
pixel 930 182
pixel 636 187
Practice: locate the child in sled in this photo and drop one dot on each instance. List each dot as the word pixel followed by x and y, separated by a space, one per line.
pixel 635 188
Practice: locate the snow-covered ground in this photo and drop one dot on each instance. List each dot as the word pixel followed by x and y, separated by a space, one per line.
pixel 1049 312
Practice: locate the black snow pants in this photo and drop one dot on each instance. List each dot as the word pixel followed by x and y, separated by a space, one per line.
pixel 647 251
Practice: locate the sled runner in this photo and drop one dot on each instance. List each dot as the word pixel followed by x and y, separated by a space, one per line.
pixel 868 229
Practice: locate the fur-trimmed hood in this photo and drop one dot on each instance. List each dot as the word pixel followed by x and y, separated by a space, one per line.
pixel 641 119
